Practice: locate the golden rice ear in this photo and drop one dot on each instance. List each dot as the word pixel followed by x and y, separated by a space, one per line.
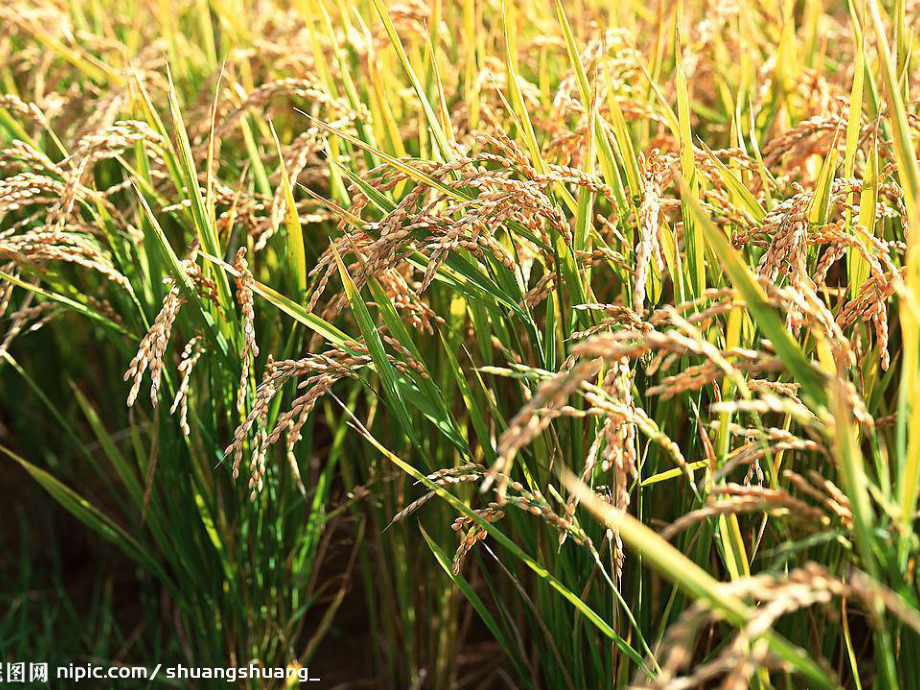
pixel 250 350
pixel 152 349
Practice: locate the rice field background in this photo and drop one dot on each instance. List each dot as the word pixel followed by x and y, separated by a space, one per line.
pixel 473 344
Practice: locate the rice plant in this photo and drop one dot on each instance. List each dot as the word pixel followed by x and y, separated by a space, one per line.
pixel 472 344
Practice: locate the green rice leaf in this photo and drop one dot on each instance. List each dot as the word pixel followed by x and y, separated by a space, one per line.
pixel 293 231
pixel 88 514
pixel 440 139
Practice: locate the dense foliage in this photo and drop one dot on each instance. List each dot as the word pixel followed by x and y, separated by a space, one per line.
pixel 545 345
